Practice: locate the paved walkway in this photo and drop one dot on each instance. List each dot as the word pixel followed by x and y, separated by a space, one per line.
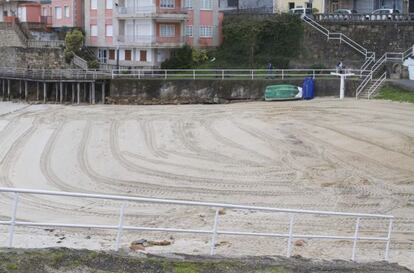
pixel 405 84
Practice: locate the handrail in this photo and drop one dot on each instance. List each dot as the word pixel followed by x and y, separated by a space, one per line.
pixel 377 84
pixel 214 232
pixel 78 61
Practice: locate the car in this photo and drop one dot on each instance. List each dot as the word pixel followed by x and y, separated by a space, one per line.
pixel 301 11
pixel 342 14
pixel 383 14
pixel 345 11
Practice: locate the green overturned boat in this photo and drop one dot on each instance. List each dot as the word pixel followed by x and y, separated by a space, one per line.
pixel 283 92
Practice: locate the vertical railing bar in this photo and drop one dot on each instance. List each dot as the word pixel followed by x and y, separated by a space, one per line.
pixel 120 226
pixel 13 219
pixel 289 246
pixel 387 247
pixel 214 232
pixel 355 238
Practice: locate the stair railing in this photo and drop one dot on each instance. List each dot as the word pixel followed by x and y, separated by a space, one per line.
pixel 377 84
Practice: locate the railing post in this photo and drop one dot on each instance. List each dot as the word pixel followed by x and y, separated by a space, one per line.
pixel 194 74
pixel 252 74
pixel 313 72
pixel 166 75
pixel 120 227
pixel 387 247
pixel 355 238
pixel 13 219
pixel 222 74
pixel 289 246
pixel 283 74
pixel 214 237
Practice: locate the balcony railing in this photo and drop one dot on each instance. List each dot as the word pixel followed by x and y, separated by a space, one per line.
pixel 150 11
pixel 150 40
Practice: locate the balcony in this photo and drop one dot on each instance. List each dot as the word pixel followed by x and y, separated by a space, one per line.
pixel 151 41
pixel 175 14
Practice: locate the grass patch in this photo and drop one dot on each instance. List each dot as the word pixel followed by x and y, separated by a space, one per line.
pixel 395 94
pixel 185 268
pixel 11 267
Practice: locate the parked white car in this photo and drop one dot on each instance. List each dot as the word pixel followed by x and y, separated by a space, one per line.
pixel 383 14
pixel 301 11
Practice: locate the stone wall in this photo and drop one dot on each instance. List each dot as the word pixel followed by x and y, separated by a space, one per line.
pixel 207 91
pixel 379 37
pixel 8 37
pixel 36 58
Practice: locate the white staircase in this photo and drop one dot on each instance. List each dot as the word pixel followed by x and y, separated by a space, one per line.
pixel 371 68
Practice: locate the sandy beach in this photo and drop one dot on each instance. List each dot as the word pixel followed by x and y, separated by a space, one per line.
pixel 324 154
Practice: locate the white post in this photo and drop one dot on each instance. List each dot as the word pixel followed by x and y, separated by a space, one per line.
pixel 289 246
pixel 355 238
pixel 283 74
pixel 194 74
pixel 120 227
pixel 387 248
pixel 13 219
pixel 222 74
pixel 214 237
pixel 252 74
pixel 166 74
pixel 342 88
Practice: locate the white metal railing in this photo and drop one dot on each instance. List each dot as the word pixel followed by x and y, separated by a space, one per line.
pixel 225 74
pixel 388 56
pixel 214 231
pixel 358 17
pixel 338 36
pixel 42 44
pixel 78 61
pixel 52 74
pixel 377 85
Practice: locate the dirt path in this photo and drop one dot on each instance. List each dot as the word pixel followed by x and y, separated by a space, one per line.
pixel 354 156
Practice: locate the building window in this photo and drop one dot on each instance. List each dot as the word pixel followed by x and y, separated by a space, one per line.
pixel 142 55
pixel 44 12
pixel 109 4
pixel 58 12
pixel 167 30
pixel 94 4
pixel 128 55
pixel 94 30
pixel 111 54
pixel 291 5
pixel 206 4
pixel 167 4
pixel 67 11
pixel 308 5
pixel 108 30
pixel 188 30
pixel 206 31
pixel 188 4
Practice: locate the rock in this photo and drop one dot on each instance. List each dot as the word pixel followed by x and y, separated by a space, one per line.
pixel 88 237
pixel 159 243
pixel 299 243
pixel 139 242
pixel 136 247
pixel 222 211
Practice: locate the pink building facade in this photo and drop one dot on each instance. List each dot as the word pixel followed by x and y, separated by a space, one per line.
pixel 63 13
pixel 142 33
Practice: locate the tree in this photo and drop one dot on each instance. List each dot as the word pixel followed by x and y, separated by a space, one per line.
pixel 74 42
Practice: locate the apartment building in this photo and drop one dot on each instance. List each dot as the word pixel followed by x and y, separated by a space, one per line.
pixel 25 11
pixel 142 33
pixel 63 13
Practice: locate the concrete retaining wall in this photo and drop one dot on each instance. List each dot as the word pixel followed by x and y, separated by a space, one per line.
pixel 207 91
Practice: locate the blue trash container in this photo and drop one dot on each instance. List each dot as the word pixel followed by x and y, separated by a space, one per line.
pixel 308 89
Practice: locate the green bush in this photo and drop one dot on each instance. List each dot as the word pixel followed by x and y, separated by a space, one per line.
pixel 93 64
pixel 74 42
pixel 181 58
